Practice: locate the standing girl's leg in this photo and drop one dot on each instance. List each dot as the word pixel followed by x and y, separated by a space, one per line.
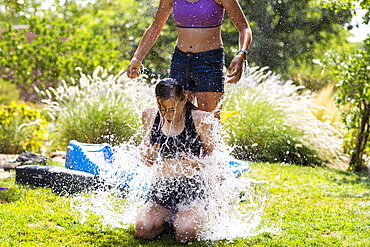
pixel 207 101
pixel 210 101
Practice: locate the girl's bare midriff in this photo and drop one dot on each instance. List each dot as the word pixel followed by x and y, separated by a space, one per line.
pixel 199 39
pixel 176 168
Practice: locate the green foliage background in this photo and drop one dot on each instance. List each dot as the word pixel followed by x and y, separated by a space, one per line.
pixel 284 33
pixel 288 36
pixel 8 92
pixel 353 96
pixel 57 49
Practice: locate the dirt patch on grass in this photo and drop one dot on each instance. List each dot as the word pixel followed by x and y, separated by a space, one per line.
pixel 4 174
pixel 7 157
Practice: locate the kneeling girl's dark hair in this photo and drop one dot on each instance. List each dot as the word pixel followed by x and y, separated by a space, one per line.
pixel 172 88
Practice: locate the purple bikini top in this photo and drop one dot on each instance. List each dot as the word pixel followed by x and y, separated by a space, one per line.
pixel 202 13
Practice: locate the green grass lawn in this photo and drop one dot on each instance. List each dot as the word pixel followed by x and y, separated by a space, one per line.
pixel 306 207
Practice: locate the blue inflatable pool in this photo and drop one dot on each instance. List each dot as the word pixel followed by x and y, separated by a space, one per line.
pixel 95 158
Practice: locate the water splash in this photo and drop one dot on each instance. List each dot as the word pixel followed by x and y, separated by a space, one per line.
pixel 235 203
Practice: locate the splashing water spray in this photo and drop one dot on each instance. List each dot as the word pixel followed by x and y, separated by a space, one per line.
pixel 234 206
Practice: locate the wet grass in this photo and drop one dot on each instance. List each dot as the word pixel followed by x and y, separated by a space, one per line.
pixel 306 207
pixel 314 207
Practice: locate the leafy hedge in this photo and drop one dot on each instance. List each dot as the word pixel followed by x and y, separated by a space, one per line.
pixel 55 52
pixel 8 92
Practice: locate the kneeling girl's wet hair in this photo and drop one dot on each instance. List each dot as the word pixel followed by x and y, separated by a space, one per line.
pixel 171 88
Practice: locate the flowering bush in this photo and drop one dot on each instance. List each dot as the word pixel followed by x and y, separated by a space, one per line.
pixel 22 128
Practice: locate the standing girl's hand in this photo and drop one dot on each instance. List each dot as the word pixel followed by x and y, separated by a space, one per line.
pixel 235 70
pixel 133 68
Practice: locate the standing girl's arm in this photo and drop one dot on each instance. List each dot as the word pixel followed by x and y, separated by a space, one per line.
pixel 149 38
pixel 239 20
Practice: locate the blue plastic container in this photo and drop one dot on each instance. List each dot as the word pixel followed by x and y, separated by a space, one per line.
pixel 98 159
pixel 237 167
pixel 88 157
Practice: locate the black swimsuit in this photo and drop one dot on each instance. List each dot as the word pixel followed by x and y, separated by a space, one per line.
pixel 173 192
pixel 188 141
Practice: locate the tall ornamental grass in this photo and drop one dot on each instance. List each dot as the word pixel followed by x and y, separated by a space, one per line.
pixel 326 107
pixel 100 108
pixel 276 123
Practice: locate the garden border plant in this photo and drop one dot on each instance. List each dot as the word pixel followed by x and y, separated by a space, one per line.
pixel 276 123
pixel 22 128
pixel 100 108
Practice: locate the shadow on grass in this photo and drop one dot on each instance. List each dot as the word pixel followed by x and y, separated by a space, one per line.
pixel 127 238
pixel 357 180
pixel 352 178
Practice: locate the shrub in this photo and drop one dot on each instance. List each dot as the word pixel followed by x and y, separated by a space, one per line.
pixel 260 133
pixel 22 128
pixel 354 96
pixel 96 109
pixel 276 123
pixel 56 50
pixel 8 92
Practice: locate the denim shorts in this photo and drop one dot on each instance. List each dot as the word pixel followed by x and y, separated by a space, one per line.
pixel 199 72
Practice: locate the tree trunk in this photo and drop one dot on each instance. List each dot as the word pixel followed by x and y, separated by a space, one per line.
pixel 362 138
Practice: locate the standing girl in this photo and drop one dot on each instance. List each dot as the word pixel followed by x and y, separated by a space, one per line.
pixel 198 58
